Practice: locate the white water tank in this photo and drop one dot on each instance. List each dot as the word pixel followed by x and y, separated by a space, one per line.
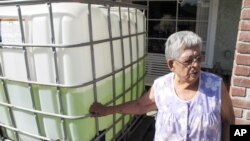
pixel 71 26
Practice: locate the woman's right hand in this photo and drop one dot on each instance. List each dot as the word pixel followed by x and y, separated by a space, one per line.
pixel 98 110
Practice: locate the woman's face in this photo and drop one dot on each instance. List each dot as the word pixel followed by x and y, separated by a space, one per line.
pixel 187 67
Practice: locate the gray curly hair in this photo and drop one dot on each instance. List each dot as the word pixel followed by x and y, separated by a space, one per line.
pixel 180 41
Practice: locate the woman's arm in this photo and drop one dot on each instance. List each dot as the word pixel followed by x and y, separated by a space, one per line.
pixel 143 105
pixel 227 113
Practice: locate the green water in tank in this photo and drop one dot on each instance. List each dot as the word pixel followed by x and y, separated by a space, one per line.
pixel 76 101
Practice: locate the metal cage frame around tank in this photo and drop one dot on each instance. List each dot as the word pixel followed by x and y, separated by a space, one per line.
pixel 23 46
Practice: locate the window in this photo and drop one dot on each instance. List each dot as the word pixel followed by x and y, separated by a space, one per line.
pixel 165 17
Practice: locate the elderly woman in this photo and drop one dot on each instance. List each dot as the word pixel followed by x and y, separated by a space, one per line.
pixel 192 105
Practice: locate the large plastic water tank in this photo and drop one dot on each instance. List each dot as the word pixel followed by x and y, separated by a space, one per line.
pixel 71 26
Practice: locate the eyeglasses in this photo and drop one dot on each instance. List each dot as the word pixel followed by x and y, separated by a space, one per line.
pixel 190 61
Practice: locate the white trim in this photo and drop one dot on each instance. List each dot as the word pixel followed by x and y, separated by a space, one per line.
pixel 211 34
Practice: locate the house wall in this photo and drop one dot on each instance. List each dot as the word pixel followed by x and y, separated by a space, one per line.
pixel 240 82
pixel 226 33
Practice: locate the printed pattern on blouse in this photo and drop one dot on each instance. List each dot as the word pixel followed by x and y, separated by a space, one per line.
pixel 196 120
